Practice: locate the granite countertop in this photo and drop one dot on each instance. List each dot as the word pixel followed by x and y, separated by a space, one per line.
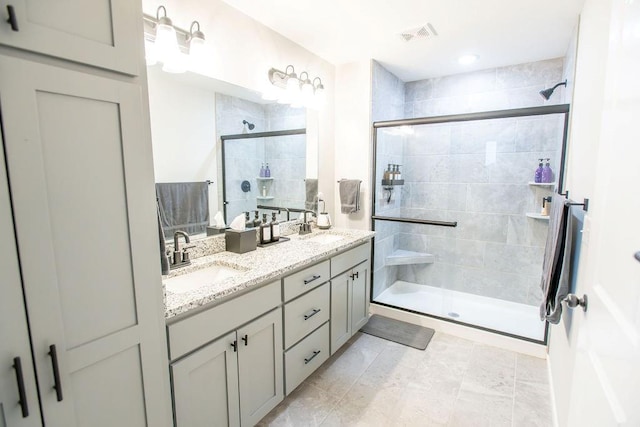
pixel 257 267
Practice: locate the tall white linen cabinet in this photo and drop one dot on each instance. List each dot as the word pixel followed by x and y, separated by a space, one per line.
pixel 82 338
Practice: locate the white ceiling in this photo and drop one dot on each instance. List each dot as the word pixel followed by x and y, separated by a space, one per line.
pixel 501 32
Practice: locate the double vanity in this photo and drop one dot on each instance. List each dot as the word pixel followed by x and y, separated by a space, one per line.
pixel 244 330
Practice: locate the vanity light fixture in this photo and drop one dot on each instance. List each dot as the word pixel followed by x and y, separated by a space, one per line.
pixel 170 45
pixel 287 88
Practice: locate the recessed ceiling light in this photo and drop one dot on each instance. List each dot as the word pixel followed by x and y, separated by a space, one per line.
pixel 467 59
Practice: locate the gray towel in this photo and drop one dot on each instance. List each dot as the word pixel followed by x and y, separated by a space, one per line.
pixel 311 194
pixel 164 261
pixel 349 195
pixel 183 206
pixel 557 261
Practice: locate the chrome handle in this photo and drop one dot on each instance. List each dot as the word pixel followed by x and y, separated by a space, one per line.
pixel 309 359
pixel 574 301
pixel 21 390
pixel 57 384
pixel 13 20
pixel 313 313
pixel 311 279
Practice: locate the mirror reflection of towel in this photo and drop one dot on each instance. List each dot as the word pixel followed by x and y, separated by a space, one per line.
pixel 311 194
pixel 349 195
pixel 183 206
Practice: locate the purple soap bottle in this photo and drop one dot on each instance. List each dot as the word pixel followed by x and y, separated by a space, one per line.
pixel 547 173
pixel 538 175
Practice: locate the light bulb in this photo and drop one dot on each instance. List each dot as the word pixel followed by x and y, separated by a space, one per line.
pixel 197 52
pixel 166 45
pixel 307 93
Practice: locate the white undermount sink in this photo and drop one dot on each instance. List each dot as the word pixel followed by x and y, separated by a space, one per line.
pixel 325 239
pixel 205 277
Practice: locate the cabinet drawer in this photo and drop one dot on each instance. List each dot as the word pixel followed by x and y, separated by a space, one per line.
pixel 346 260
pixel 305 280
pixel 306 357
pixel 192 332
pixel 305 314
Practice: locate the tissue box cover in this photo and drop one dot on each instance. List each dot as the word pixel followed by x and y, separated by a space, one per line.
pixel 240 241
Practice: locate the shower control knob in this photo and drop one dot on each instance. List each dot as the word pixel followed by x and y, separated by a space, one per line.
pixel 574 301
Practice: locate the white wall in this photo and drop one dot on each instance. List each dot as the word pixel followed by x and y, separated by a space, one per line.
pixel 353 139
pixel 241 51
pixel 183 132
pixel 584 140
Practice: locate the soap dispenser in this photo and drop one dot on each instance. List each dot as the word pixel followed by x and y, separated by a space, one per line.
pixel 262 171
pixel 248 222
pixel 275 228
pixel 265 230
pixel 256 220
pixel 538 175
pixel 267 172
pixel 547 173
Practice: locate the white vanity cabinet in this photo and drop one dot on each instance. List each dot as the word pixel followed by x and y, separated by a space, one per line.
pixel 350 293
pixel 101 33
pixel 236 379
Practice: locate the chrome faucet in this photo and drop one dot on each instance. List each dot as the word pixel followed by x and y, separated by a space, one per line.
pixel 180 258
pixel 305 227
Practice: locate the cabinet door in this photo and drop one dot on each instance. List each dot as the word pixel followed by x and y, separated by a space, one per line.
pixel 205 386
pixel 104 33
pixel 81 180
pixel 340 313
pixel 14 336
pixel 360 297
pixel 260 359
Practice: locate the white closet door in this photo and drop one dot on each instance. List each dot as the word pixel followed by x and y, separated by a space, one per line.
pixel 103 33
pixel 81 179
pixel 14 335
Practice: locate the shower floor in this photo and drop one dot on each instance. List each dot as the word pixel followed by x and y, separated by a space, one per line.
pixel 504 316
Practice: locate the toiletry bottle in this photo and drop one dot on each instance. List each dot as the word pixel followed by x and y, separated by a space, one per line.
pixel 275 228
pixel 387 173
pixel 248 222
pixel 262 171
pixel 267 171
pixel 547 173
pixel 256 220
pixel 264 191
pixel 398 174
pixel 545 207
pixel 265 230
pixel 538 175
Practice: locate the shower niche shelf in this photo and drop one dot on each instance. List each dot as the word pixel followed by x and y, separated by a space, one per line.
pixel 391 182
pixel 264 178
pixel 538 216
pixel 542 184
pixel 264 197
pixel 403 257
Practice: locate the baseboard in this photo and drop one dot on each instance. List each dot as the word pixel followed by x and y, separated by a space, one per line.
pixel 472 334
pixel 552 395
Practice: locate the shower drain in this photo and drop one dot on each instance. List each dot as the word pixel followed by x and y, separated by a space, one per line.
pixel 453 314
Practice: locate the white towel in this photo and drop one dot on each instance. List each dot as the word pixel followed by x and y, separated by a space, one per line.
pixel 349 195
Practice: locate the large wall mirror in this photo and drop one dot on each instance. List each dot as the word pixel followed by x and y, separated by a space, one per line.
pixel 210 141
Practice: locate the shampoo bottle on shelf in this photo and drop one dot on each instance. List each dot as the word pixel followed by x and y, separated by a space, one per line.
pixel 262 171
pixel 398 174
pixel 267 171
pixel 275 228
pixel 265 230
pixel 264 191
pixel 547 173
pixel 538 175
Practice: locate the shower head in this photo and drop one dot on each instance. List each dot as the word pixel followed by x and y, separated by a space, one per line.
pixel 546 93
pixel 250 125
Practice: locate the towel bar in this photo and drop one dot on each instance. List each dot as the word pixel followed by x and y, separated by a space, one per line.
pixel 584 204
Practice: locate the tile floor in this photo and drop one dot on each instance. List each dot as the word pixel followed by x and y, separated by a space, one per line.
pixel 454 382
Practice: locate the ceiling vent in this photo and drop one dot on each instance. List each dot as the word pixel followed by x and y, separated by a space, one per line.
pixel 423 32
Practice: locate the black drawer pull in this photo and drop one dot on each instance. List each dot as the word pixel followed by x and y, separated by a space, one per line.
pixel 13 21
pixel 234 345
pixel 309 359
pixel 56 372
pixel 313 313
pixel 21 392
pixel 245 338
pixel 311 279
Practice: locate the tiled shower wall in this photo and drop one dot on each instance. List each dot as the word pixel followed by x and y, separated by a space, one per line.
pixel 286 155
pixel 453 173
